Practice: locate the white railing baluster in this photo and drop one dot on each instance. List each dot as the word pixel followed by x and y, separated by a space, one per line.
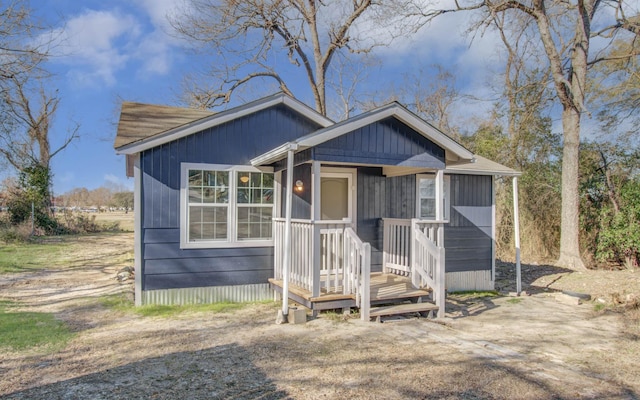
pixel 343 260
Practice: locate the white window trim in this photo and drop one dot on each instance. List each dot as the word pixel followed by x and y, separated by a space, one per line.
pixel 446 194
pixel 232 241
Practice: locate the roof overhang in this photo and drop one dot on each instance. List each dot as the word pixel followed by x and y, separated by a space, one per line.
pixel 453 149
pixel 221 118
pixel 274 155
pixel 480 166
pixel 391 110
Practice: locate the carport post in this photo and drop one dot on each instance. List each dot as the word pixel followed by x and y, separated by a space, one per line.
pixel 516 233
pixel 287 236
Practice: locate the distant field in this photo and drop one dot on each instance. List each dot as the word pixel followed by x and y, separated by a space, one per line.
pixel 125 220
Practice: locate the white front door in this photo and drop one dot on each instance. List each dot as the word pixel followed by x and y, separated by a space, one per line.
pixel 337 196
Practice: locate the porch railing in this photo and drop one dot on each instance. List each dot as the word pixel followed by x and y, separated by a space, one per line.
pixel 413 247
pixel 357 271
pixel 397 246
pixel 343 260
pixel 427 259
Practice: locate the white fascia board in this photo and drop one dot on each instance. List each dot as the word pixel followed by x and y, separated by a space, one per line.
pixel 221 118
pixel 480 172
pixel 274 155
pixel 394 110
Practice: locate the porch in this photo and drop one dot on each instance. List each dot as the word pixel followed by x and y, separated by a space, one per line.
pixel 330 267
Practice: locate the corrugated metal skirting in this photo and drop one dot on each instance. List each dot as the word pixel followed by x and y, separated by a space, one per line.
pixel 469 280
pixel 212 294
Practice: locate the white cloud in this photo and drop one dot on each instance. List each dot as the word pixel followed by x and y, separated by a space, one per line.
pixel 94 45
pixel 99 45
pixel 158 11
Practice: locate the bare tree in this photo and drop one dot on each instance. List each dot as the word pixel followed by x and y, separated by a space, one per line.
pixel 249 37
pixel 28 114
pixel 565 30
pixel 19 53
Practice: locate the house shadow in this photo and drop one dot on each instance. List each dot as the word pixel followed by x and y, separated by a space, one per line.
pixel 220 372
pixel 535 278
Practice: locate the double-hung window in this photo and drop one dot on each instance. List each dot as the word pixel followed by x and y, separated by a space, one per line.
pixel 225 206
pixel 426 197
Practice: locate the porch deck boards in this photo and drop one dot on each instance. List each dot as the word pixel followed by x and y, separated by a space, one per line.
pixel 384 288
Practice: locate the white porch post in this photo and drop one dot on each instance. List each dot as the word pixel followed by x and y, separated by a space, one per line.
pixel 287 236
pixel 439 195
pixel 315 216
pixel 516 232
pixel 137 230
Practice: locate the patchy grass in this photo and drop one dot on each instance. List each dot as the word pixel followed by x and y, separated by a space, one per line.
pixel 599 307
pixel 20 330
pixel 154 310
pixel 119 302
pixel 472 295
pixel 66 251
pixel 21 257
pixel 515 300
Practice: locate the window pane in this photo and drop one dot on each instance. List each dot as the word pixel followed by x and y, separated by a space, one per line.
pixel 222 179
pixel 208 195
pixel 221 214
pixel 208 231
pixel 195 195
pixel 267 196
pixel 243 214
pixel 195 178
pixel 256 179
pixel 243 196
pixel 254 223
pixel 209 214
pixel 243 179
pixel 207 223
pixel 267 180
pixel 427 208
pixel 222 195
pixel 209 178
pixel 427 188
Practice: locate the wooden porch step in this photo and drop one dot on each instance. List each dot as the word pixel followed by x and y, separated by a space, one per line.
pixel 399 309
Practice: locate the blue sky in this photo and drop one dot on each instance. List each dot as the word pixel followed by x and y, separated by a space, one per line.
pixel 120 50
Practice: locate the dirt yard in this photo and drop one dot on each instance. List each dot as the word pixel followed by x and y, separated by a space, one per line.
pixel 532 347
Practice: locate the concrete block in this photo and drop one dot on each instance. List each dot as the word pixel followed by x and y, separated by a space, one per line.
pixel 297 315
pixel 566 299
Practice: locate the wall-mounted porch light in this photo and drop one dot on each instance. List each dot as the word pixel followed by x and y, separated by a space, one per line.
pixel 299 186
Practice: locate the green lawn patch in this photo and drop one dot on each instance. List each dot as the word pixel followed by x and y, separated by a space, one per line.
pixel 21 257
pixel 156 310
pixel 473 294
pixel 20 330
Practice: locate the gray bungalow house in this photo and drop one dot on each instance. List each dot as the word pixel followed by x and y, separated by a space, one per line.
pixel 272 196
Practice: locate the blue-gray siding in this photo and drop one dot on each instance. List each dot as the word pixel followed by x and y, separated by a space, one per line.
pixel 386 142
pixel 301 204
pixel 165 265
pixel 467 237
pixel 468 234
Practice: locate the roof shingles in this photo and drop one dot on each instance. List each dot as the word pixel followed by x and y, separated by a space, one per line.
pixel 140 121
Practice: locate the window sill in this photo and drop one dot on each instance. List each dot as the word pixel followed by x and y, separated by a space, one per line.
pixel 226 245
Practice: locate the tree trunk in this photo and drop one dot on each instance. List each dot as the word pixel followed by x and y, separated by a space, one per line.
pixel 570 222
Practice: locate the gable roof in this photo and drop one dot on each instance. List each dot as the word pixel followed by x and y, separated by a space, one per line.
pixel 453 150
pixel 138 121
pixel 139 131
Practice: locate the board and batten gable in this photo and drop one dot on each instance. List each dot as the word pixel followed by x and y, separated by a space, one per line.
pixel 164 264
pixel 385 142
